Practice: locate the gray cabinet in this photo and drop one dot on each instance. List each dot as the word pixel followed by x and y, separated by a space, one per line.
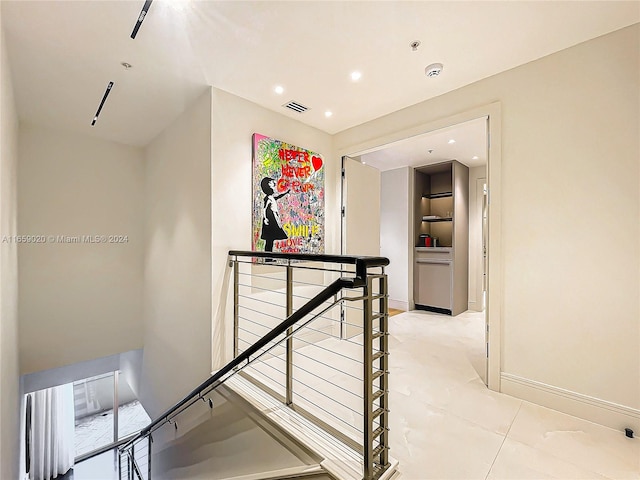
pixel 433 275
pixel 441 210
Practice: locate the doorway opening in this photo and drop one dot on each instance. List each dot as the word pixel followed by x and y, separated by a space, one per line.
pixel 466 139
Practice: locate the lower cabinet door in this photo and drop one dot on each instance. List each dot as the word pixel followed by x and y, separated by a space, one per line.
pixel 432 283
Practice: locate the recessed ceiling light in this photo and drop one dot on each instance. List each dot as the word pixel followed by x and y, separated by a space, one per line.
pixel 475 157
pixel 328 113
pixel 363 162
pixel 355 76
pixel 279 90
pixel 452 141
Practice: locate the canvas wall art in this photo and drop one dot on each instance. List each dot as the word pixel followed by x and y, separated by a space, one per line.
pixel 288 197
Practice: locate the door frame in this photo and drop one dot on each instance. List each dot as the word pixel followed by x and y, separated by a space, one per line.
pixel 493 310
pixel 344 191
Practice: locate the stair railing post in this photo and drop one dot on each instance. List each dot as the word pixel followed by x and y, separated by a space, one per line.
pixel 289 343
pixel 149 441
pixel 236 279
pixel 384 367
pixel 368 379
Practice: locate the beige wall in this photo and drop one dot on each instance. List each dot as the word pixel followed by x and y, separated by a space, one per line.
pixel 78 301
pixel 177 259
pixel 570 209
pixel 9 369
pixel 234 120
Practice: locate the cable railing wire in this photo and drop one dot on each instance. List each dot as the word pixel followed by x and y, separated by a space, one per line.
pixel 303 297
pixel 268 351
pixel 329 398
pixel 360 396
pixel 259 300
pixel 329 350
pixel 255 323
pixel 330 414
pixel 319 331
pixel 326 364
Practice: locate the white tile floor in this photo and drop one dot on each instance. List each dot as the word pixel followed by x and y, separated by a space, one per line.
pixel 446 424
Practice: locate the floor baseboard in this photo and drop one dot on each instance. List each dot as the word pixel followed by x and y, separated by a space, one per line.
pixel 579 405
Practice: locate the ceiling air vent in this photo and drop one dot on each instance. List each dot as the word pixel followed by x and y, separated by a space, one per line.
pixel 296 107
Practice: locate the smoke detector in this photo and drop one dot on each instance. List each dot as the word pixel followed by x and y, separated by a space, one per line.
pixel 433 70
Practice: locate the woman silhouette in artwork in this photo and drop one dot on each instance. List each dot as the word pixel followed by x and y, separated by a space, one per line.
pixel 271 227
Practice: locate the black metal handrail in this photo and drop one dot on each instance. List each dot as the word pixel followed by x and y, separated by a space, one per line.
pixel 361 263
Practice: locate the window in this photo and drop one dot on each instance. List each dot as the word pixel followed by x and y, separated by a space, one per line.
pixel 106 410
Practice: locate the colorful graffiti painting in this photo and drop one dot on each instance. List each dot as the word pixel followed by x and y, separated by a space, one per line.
pixel 288 197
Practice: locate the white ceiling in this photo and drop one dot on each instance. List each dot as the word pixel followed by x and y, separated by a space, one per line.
pixel 465 142
pixel 64 53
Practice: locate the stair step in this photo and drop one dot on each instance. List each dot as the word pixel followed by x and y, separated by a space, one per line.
pixel 378 355
pixel 378 468
pixel 379 449
pixel 378 394
pixel 309 471
pixel 378 412
pixel 378 431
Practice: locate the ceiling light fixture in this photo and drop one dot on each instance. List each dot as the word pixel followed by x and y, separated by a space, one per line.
pixel 475 157
pixel 433 70
pixel 328 113
pixel 355 76
pixel 141 17
pixel 414 45
pixel 279 90
pixel 451 141
pixel 104 99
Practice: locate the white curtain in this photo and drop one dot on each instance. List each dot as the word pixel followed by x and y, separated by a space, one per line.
pixel 52 448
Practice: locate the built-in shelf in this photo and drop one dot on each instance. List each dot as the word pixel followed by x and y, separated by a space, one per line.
pixel 441 205
pixel 438 195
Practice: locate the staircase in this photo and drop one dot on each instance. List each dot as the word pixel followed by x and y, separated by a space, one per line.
pixel 287 406
pixel 235 443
